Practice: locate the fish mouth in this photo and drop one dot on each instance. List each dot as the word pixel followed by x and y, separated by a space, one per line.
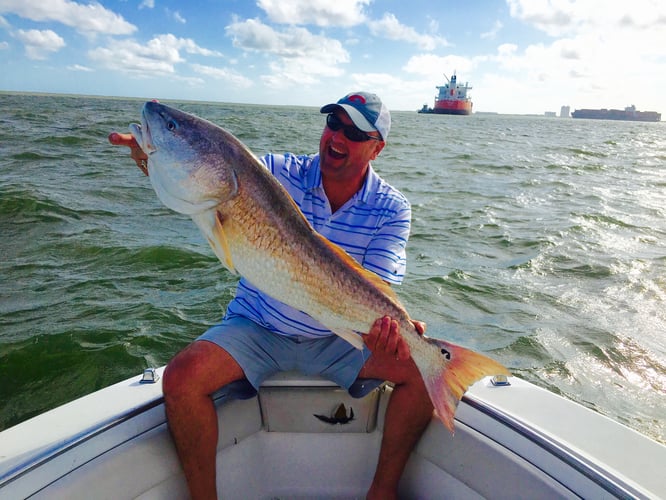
pixel 142 134
pixel 148 143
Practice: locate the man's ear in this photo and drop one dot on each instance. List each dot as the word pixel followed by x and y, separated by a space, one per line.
pixel 378 149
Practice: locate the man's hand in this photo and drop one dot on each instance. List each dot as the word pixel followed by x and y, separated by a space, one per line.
pixel 136 152
pixel 384 338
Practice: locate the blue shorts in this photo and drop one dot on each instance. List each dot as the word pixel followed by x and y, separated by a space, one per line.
pixel 262 353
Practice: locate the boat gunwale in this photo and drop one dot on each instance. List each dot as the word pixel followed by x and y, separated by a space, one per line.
pixel 616 486
pixel 53 451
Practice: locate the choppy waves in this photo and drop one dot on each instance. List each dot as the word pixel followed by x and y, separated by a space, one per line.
pixel 540 241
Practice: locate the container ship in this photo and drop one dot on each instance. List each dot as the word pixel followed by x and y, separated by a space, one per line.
pixel 451 100
pixel 629 113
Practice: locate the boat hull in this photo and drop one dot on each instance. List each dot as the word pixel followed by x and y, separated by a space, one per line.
pixel 510 442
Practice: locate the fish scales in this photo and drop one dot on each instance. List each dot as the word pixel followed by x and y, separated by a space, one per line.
pixel 265 232
pixel 257 231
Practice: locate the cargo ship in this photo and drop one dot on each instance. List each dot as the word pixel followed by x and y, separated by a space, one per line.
pixel 629 113
pixel 451 100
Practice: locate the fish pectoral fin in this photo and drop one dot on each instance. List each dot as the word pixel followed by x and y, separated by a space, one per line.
pixel 211 225
pixel 351 336
pixel 220 244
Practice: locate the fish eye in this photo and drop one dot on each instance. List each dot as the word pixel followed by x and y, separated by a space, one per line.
pixel 171 125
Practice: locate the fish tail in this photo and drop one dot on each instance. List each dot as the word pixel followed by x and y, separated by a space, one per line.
pixel 462 367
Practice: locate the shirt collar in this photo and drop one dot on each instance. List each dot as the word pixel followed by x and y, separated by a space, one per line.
pixel 313 180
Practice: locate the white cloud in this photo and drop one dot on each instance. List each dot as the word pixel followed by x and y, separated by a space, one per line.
pixel 78 67
pixel 288 72
pixel 253 35
pixel 597 54
pixel 317 12
pixel 493 32
pixel 4 45
pixel 396 92
pixel 175 15
pixel 566 17
pixel 389 27
pixel 186 44
pixel 156 57
pixel 553 17
pixel 432 66
pixel 85 18
pixel 303 58
pixel 376 80
pixel 147 4
pixel 225 74
pixel 39 43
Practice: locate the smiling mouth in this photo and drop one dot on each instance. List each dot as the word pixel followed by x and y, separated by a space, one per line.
pixel 335 153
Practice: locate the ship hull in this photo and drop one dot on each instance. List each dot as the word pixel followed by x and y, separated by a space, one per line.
pixel 617 114
pixel 452 107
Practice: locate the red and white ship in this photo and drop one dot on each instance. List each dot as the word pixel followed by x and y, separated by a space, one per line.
pixel 451 100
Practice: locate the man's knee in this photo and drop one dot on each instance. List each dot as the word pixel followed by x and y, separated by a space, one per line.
pixel 175 376
pixel 199 369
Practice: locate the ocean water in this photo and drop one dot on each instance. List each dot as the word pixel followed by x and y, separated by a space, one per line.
pixel 539 241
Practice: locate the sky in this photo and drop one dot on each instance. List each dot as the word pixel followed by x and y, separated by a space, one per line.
pixel 519 56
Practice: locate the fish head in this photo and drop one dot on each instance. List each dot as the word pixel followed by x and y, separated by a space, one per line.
pixel 190 160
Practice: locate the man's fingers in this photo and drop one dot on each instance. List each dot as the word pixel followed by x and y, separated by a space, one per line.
pixel 403 351
pixel 371 337
pixel 393 338
pixel 137 154
pixel 420 326
pixel 384 338
pixel 118 139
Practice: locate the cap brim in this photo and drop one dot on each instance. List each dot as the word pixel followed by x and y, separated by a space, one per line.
pixel 355 115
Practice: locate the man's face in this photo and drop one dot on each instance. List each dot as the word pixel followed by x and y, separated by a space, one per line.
pixel 343 158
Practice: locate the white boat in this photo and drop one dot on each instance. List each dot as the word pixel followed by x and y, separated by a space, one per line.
pixel 511 441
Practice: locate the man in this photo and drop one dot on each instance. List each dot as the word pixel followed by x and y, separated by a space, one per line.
pixel 346 201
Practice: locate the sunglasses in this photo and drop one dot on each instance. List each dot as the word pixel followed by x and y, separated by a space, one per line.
pixel 351 132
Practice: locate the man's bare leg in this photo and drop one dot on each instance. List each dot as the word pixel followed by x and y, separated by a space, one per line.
pixel 189 380
pixel 409 410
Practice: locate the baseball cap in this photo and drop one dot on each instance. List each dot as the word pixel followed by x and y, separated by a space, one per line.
pixel 366 110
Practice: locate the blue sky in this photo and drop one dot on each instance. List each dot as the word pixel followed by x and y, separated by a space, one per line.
pixel 520 56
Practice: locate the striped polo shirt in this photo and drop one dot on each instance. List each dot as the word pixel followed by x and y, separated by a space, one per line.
pixel 373 227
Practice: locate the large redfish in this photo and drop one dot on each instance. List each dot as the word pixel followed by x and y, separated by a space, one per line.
pixel 257 231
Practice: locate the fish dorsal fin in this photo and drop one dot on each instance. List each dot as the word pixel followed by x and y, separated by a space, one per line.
pixel 373 278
